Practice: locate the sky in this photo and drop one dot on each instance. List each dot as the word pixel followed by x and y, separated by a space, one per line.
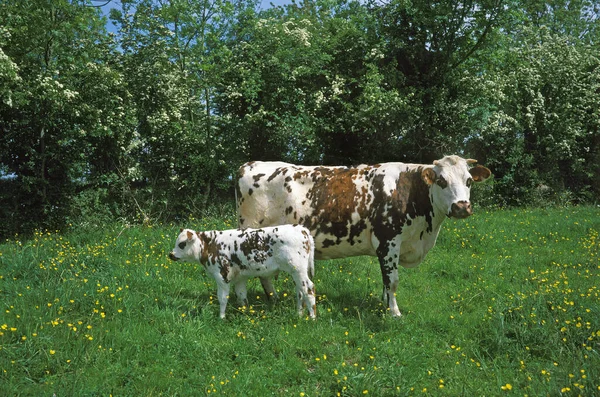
pixel 106 5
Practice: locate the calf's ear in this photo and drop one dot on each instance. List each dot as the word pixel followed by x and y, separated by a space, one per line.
pixel 480 173
pixel 190 235
pixel 428 176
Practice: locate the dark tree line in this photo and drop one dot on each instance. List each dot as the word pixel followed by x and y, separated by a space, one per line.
pixel 150 122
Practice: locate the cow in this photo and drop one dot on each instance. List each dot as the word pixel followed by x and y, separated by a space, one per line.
pixel 393 211
pixel 231 257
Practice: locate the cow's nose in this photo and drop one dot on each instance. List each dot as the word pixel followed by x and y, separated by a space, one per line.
pixel 461 209
pixel 173 257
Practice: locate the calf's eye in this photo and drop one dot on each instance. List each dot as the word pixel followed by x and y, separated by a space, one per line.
pixel 442 182
pixel 469 182
pixel 182 245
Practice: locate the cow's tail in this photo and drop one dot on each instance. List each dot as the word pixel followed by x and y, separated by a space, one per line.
pixel 235 190
pixel 311 259
pixel 237 207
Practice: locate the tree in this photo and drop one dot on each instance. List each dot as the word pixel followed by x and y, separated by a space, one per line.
pixel 52 118
pixel 168 57
pixel 542 115
pixel 550 95
pixel 432 47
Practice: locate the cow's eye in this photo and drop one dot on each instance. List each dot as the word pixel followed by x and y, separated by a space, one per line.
pixel 469 182
pixel 182 245
pixel 442 182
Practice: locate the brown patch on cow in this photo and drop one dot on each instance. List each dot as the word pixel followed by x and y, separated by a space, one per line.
pixel 240 174
pixel 257 178
pixel 256 243
pixel 307 242
pixel 410 198
pixel 235 259
pixel 327 243
pixel 210 249
pixel 275 174
pixel 224 269
pixel 334 198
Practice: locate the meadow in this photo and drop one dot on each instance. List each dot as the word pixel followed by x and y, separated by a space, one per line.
pixel 506 304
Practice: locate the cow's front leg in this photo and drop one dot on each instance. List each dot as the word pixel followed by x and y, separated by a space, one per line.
pixel 268 287
pixel 388 253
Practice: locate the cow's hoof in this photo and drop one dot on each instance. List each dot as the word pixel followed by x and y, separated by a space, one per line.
pixel 395 313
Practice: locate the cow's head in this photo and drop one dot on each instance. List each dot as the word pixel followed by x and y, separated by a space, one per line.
pixel 187 247
pixel 450 182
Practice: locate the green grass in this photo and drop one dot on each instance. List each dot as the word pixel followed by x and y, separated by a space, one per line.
pixel 507 303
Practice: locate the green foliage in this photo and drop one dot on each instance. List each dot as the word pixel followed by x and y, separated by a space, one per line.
pixel 180 145
pixel 9 72
pixel 151 122
pixel 506 303
pixel 66 108
pixel 544 135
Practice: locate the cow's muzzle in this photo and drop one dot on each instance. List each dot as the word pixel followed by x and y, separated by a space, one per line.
pixel 461 210
pixel 173 257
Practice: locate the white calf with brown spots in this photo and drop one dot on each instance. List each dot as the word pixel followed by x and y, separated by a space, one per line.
pixel 231 257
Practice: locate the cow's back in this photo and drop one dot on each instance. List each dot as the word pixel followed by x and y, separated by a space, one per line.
pixel 262 194
pixel 332 202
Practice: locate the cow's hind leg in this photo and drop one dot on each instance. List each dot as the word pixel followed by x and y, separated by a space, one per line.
pixel 388 260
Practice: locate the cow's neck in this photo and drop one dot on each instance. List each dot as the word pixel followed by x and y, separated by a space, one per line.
pixel 439 216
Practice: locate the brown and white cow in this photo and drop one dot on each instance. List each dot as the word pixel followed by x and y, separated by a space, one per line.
pixel 392 210
pixel 231 257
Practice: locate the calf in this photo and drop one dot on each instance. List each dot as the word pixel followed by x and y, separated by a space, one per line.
pixel 233 256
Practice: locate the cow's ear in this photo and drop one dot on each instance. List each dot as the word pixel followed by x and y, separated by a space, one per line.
pixel 190 235
pixel 480 173
pixel 428 176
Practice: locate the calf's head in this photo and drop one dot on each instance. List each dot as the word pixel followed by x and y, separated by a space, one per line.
pixel 450 182
pixel 187 247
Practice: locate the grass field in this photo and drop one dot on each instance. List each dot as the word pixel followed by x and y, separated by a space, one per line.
pixel 507 303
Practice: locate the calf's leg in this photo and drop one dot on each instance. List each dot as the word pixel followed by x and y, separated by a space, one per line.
pixel 305 294
pixel 222 295
pixel 242 292
pixel 268 288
